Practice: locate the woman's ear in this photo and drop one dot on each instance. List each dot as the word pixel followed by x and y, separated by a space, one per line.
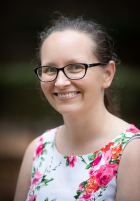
pixel 109 72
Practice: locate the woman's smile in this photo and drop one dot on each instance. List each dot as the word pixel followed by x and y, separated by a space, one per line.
pixel 66 95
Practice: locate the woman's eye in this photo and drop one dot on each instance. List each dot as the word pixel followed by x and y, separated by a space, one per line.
pixel 49 70
pixel 77 67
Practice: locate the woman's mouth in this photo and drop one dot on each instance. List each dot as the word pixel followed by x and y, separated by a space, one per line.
pixel 66 95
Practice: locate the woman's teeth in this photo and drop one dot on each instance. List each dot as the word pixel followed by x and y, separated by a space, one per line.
pixel 67 95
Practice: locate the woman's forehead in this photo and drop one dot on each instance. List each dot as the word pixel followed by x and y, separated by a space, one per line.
pixel 68 40
pixel 68 37
pixel 67 44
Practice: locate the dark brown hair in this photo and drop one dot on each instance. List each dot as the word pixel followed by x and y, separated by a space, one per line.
pixel 104 50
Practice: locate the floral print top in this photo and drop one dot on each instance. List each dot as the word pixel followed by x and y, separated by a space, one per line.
pixel 83 178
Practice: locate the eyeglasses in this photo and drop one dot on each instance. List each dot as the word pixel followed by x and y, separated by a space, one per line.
pixel 74 71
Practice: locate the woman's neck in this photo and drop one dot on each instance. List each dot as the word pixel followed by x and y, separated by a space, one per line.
pixel 89 125
pixel 81 132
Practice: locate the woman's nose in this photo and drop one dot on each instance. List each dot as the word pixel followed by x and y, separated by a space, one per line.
pixel 62 81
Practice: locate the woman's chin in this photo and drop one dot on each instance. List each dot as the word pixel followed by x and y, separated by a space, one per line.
pixel 67 110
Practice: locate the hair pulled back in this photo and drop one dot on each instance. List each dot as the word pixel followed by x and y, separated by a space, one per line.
pixel 103 50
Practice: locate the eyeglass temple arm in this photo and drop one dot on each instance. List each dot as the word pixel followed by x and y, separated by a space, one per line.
pixel 97 64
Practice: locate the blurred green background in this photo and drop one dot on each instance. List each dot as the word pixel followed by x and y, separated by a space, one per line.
pixel 25 113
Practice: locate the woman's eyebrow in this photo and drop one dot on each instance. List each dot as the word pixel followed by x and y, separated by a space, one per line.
pixel 69 61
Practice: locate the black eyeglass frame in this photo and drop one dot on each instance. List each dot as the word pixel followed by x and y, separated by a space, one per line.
pixel 62 69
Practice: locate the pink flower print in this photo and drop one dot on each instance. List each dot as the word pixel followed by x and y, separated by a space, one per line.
pixel 39 149
pixel 133 129
pixel 95 163
pixel 33 197
pixel 107 156
pixel 37 178
pixel 86 196
pixel 72 160
pixel 91 171
pixel 80 187
pixel 41 139
pixel 96 160
pixel 106 173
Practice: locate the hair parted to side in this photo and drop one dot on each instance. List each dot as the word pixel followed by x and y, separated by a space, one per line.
pixel 103 50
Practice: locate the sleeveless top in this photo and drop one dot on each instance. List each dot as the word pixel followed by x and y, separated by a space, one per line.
pixel 84 177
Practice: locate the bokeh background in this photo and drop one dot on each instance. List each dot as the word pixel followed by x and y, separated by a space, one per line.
pixel 24 113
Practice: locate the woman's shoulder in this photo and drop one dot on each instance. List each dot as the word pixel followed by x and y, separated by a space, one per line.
pixel 25 172
pixel 128 180
pixel 118 126
pixel 32 151
pixel 47 136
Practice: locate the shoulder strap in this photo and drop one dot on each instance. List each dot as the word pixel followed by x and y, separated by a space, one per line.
pixel 132 138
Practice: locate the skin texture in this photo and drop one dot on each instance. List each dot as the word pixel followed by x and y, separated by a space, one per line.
pixel 60 49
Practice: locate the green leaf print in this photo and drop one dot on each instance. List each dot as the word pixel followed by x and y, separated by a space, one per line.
pixel 67 162
pixel 115 161
pixel 82 159
pixel 40 164
pixel 123 135
pixel 52 145
pixel 84 183
pixel 44 145
pixel 91 157
pixel 78 194
pixel 44 151
pixel 98 153
pixel 33 173
pixel 42 159
pixel 89 165
pixel 47 199
pixel 46 181
pixel 43 179
pixel 117 140
pixel 124 142
pixel 38 188
pixel 100 194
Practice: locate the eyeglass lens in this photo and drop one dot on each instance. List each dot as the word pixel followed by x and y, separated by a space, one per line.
pixel 72 71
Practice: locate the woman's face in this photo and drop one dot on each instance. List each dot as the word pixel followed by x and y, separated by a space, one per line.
pixel 72 96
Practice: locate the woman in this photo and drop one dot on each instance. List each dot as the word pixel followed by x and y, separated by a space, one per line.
pixel 80 160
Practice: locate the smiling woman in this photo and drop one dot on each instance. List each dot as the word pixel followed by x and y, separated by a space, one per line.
pixel 82 159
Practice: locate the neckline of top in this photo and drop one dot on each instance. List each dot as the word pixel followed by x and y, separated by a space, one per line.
pixel 131 130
